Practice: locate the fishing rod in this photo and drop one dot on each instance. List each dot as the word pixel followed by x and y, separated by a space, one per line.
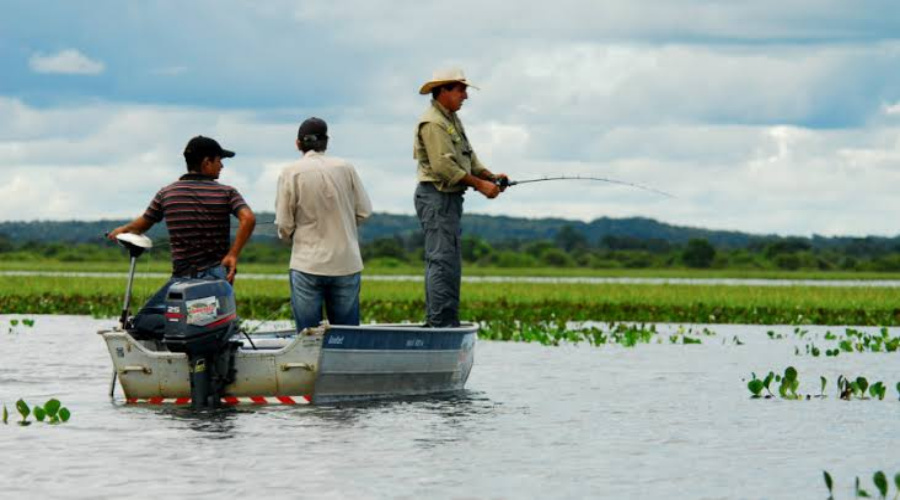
pixel 505 182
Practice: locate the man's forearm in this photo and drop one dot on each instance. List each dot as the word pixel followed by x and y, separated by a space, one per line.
pixel 246 224
pixel 472 181
pixel 140 226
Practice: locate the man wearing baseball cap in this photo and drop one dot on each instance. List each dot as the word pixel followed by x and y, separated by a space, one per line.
pixel 447 166
pixel 197 210
pixel 319 205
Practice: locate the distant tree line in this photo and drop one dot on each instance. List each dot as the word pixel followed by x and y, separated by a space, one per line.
pixel 567 248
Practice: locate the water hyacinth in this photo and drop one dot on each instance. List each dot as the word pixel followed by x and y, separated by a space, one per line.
pixel 52 411
pixel 14 324
pixel 789 384
pixel 879 479
pixel 557 332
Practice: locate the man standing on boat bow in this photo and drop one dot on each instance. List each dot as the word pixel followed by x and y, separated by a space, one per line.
pixel 197 210
pixel 447 166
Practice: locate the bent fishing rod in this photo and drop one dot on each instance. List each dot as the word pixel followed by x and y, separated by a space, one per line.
pixel 505 182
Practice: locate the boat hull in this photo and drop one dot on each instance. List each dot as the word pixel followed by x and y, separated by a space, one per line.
pixel 392 361
pixel 323 365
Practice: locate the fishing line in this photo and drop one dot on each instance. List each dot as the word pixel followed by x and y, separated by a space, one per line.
pixel 507 183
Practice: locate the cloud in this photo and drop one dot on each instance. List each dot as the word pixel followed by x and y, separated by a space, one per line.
pixel 69 62
pixel 892 109
pixel 758 178
pixel 766 116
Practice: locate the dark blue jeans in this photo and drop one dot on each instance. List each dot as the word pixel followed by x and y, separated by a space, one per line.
pixel 340 294
pixel 149 322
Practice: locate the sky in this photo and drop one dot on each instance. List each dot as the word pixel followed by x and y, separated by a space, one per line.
pixel 769 117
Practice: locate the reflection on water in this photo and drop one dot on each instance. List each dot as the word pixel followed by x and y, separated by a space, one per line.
pixel 211 423
pixel 653 421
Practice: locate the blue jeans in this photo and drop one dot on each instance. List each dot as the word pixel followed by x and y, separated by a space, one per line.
pixel 150 320
pixel 340 295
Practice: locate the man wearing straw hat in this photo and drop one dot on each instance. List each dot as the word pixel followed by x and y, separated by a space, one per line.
pixel 447 167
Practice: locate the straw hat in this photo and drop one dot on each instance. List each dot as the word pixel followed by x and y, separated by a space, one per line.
pixel 442 76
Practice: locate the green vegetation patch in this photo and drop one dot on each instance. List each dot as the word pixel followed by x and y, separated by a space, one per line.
pixel 393 301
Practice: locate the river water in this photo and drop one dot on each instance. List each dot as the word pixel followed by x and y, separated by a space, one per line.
pixel 651 421
pixel 848 283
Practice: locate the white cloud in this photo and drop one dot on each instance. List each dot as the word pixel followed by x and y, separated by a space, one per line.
pixel 764 116
pixel 763 179
pixel 725 176
pixel 68 61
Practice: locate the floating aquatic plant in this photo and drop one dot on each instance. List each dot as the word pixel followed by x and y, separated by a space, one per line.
pixel 859 491
pixel 14 324
pixel 557 331
pixel 756 386
pixel 52 411
pixel 881 483
pixel 789 383
pixel 878 390
pixel 829 483
pixel 24 410
pixel 854 341
pixel 879 479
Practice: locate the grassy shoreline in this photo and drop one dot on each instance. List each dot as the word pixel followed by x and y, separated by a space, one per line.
pixel 507 302
pixel 163 266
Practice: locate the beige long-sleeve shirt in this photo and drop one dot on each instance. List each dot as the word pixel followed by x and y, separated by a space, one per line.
pixel 319 205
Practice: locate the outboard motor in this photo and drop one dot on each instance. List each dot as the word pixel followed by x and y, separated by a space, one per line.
pixel 201 319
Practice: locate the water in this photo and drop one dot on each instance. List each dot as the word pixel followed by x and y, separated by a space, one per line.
pixel 848 283
pixel 653 421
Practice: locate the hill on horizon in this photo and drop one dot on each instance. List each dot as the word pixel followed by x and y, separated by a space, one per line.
pixel 489 227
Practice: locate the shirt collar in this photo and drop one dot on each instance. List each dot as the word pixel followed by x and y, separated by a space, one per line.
pixel 311 153
pixel 195 176
pixel 440 107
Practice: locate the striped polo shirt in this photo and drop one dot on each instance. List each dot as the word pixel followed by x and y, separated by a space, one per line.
pixel 197 211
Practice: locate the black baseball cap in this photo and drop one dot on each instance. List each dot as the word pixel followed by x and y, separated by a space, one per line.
pixel 205 147
pixel 315 127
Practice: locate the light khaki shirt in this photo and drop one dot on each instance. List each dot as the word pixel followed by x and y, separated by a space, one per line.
pixel 444 153
pixel 318 206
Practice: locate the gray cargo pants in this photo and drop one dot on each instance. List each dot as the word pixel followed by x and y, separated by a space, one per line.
pixel 440 215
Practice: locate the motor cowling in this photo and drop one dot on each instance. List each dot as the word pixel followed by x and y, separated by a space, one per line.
pixel 201 321
pixel 200 316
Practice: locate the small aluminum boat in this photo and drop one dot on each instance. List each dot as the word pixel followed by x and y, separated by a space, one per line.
pixel 203 358
pixel 322 365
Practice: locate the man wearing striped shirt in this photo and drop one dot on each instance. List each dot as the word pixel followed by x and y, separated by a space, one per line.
pixel 197 210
